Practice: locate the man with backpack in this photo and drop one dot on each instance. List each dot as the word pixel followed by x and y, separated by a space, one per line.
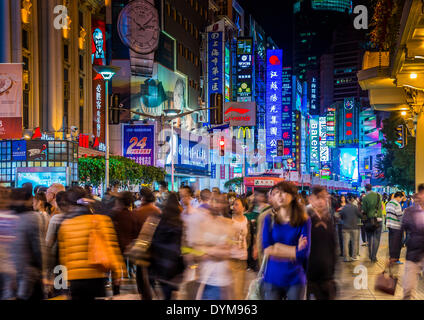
pixel 372 210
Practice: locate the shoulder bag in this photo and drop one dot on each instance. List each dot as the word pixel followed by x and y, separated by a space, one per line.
pixel 371 223
pixel 255 288
pixel 139 250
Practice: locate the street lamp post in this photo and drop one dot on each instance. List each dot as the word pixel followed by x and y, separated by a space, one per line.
pixel 107 73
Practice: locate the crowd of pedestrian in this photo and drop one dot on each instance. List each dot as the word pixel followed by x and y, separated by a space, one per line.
pixel 59 242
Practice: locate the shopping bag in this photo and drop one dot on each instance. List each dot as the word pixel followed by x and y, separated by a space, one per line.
pixel 386 283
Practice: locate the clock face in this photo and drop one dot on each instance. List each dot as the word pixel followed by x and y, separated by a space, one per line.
pixel 138 26
pixel 5 83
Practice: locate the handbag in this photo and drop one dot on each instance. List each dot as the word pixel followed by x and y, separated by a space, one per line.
pixel 255 288
pixel 139 250
pixel 98 249
pixel 386 283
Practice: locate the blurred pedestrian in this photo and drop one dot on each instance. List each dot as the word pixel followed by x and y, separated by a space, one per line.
pixel 350 217
pixel 8 233
pixel 212 238
pixel 286 238
pixel 82 237
pixel 52 244
pixel 163 193
pixel 27 248
pixel 51 197
pixel 323 256
pixel 241 238
pixel 167 265
pixel 125 227
pixel 413 224
pixel 141 214
pixel 394 224
pixel 372 208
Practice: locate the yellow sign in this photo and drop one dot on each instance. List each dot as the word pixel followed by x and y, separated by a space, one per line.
pixel 244 130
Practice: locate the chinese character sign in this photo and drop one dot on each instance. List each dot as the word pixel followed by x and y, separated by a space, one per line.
pixel 273 103
pixel 139 143
pixel 287 122
pixel 99 107
pixel 215 64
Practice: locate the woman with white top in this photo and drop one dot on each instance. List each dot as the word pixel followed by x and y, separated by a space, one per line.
pixel 238 261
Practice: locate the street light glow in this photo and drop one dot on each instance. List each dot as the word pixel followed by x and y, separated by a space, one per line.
pixel 413 76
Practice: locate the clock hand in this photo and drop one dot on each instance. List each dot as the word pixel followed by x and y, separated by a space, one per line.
pixel 148 21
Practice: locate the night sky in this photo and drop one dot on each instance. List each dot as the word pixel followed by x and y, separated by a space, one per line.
pixel 276 19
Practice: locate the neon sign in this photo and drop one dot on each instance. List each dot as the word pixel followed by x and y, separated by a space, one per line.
pixel 273 103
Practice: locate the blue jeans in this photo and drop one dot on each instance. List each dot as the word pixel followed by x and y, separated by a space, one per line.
pixel 374 242
pixel 295 292
pixel 211 293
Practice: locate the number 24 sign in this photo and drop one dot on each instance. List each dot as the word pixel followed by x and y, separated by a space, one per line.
pixel 138 143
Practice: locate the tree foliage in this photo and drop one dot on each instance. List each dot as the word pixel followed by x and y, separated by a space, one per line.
pixel 397 165
pixel 92 170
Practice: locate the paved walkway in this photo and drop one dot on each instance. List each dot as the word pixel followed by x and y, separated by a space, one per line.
pixel 345 277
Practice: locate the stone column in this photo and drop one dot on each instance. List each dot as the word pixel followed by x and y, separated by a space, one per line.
pixel 5 45
pixel 419 151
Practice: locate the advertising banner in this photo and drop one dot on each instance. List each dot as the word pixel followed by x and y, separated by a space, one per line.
pixel 36 150
pixel 241 114
pixel 215 64
pixel 98 44
pixel 244 69
pixel 348 117
pixel 139 143
pixel 19 148
pixel 273 103
pixel 10 101
pixel 192 153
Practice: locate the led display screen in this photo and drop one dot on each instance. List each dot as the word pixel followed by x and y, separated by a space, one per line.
pixel 41 176
pixel 349 163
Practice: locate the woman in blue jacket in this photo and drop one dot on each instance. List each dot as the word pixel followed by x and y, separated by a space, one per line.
pixel 286 240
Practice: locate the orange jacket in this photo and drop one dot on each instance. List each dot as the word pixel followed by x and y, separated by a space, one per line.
pixel 73 246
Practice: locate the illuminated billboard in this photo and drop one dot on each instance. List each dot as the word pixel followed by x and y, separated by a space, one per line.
pixel 331 127
pixel 287 121
pixel 314 143
pixel 216 64
pixel 39 176
pixel 244 69
pixel 348 117
pixel 349 163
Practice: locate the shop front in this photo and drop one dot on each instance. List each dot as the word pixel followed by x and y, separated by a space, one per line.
pixel 41 162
